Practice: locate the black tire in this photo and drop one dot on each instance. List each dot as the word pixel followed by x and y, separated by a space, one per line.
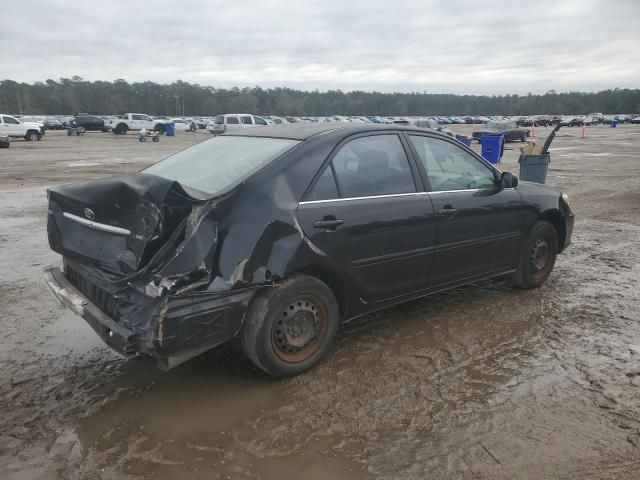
pixel 160 128
pixel 121 129
pixel 538 256
pixel 285 344
pixel 156 139
pixel 32 136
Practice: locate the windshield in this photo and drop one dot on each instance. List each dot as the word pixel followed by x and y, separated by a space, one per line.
pixel 215 165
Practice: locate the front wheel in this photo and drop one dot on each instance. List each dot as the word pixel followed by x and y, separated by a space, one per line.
pixel 290 327
pixel 538 256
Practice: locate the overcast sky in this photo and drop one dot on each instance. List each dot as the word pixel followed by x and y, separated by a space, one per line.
pixel 446 46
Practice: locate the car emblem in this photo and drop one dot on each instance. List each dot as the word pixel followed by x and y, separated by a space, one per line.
pixel 90 214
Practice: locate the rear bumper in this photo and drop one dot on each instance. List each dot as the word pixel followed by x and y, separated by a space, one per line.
pixel 171 329
pixel 117 336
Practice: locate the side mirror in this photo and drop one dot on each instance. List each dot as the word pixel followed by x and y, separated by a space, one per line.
pixel 508 180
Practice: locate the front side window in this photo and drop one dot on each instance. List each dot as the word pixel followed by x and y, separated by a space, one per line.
pixel 11 120
pixel 373 165
pixel 260 121
pixel 450 167
pixel 247 120
pixel 213 166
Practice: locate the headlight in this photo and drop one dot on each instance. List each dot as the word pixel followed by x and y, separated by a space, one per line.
pixel 565 197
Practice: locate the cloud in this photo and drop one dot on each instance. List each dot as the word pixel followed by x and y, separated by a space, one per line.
pixel 458 46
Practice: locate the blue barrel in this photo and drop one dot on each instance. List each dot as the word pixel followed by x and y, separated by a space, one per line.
pixel 170 129
pixel 614 123
pixel 492 147
pixel 463 139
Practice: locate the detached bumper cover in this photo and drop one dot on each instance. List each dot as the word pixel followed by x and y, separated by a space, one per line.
pixel 167 328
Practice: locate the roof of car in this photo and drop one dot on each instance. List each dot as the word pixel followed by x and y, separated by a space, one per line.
pixel 305 130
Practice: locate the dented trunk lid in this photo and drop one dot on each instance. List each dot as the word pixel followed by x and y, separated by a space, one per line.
pixel 116 224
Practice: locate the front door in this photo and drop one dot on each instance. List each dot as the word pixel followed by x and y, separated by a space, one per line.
pixel 12 127
pixel 367 213
pixel 479 228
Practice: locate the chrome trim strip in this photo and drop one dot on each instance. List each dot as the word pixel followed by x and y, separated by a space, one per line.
pixel 96 225
pixel 309 202
pixel 436 192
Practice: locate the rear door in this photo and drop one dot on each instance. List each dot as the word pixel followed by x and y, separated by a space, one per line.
pixel 367 211
pixel 479 227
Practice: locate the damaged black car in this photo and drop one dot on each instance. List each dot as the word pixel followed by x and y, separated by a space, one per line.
pixel 275 235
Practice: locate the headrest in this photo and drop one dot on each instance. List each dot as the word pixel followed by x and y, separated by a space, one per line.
pixel 373 161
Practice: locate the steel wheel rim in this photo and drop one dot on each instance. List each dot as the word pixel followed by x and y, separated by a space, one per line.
pixel 540 256
pixel 299 328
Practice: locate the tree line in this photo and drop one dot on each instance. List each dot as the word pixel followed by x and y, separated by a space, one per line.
pixel 68 96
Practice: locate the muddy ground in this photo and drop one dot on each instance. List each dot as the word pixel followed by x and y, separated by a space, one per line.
pixel 482 382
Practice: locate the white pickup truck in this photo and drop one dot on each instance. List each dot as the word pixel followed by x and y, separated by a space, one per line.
pixel 134 121
pixel 13 127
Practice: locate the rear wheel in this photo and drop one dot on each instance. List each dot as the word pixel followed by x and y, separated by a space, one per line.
pixel 290 327
pixel 160 128
pixel 538 256
pixel 120 129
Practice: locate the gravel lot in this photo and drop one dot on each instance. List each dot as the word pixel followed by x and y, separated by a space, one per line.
pixel 482 382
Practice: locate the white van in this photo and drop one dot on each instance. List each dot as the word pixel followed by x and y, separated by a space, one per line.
pixel 233 121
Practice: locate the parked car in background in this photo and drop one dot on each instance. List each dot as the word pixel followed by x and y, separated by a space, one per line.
pixel 276 234
pixel 507 128
pixel 52 123
pixel 90 123
pixel 134 122
pixel 183 125
pixel 234 121
pixel 5 140
pixel 635 119
pixel 13 127
pixel 433 125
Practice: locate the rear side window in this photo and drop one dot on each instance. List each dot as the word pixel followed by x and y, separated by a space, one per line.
pixel 232 121
pixel 219 120
pixel 373 165
pixel 247 120
pixel 325 188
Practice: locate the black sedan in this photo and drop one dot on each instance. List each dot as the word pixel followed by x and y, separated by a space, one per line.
pixel 277 234
pixel 509 129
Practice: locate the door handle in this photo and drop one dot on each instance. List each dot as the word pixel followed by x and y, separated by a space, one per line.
pixel 447 212
pixel 328 224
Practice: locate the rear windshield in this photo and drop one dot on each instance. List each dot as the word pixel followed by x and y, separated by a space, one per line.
pixel 213 166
